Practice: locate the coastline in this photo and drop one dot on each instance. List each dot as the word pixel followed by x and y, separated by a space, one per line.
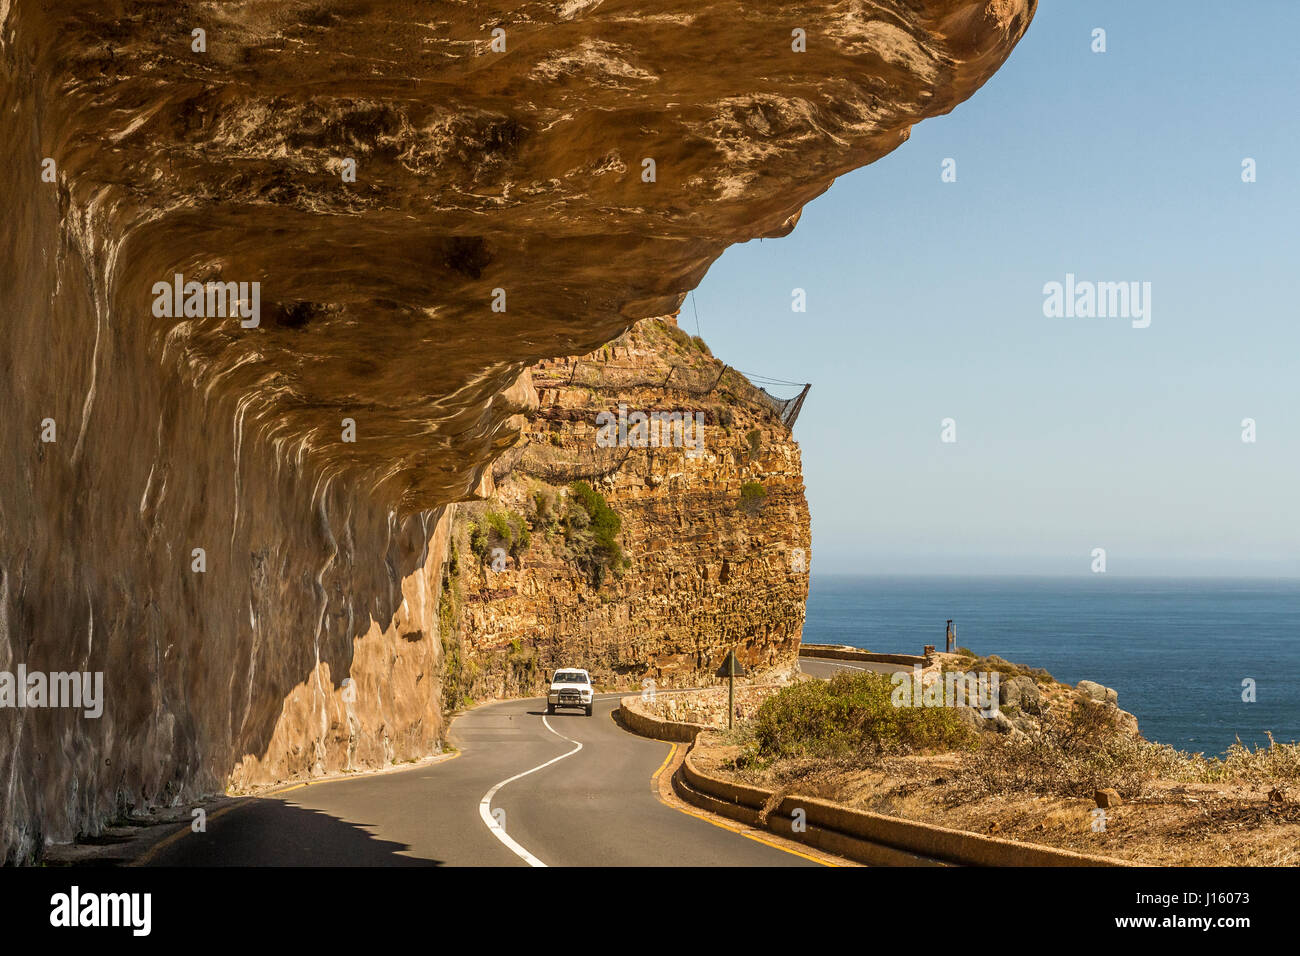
pixel 1177 650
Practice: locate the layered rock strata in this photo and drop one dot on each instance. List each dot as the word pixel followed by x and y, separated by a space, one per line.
pixel 715 540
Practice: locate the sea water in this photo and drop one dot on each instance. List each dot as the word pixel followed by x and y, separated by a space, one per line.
pixel 1182 653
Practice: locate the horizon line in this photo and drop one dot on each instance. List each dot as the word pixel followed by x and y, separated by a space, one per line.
pixel 1054 576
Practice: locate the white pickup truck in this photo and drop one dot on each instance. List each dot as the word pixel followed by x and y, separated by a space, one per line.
pixel 570 687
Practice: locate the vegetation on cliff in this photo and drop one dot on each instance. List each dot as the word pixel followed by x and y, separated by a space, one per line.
pixel 458 669
pixel 505 529
pixel 580 517
pixel 752 495
pixel 591 529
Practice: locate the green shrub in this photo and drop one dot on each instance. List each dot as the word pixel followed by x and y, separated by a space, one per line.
pixel 478 540
pixel 752 495
pixel 591 529
pixel 459 671
pixel 500 525
pixel 755 439
pixel 851 714
pixel 499 529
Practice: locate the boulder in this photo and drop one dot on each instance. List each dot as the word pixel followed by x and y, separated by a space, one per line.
pixel 1021 692
pixel 1128 723
pixel 1107 797
pixel 1094 691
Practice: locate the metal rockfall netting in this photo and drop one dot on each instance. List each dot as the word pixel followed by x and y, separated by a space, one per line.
pixel 600 376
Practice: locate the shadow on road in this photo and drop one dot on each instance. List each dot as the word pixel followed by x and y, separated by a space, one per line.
pixel 271 832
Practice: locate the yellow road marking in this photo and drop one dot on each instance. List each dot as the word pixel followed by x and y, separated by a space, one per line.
pixel 731 826
pixel 757 839
pixel 672 750
pixel 172 838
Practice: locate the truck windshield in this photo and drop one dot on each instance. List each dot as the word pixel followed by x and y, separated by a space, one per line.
pixel 570 677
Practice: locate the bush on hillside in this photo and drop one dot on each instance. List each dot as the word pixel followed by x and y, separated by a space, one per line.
pixel 591 529
pixel 850 714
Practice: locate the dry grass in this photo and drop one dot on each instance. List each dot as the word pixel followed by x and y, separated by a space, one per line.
pixel 1179 809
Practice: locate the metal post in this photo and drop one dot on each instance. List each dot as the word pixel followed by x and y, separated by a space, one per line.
pixel 730 669
pixel 731 699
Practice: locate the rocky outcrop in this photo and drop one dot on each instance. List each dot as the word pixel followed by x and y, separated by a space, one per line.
pixel 714 541
pixel 427 206
pixel 1106 701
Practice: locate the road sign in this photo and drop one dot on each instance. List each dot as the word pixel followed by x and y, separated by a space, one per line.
pixel 731 667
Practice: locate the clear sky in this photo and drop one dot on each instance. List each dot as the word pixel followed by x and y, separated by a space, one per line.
pixel 925 301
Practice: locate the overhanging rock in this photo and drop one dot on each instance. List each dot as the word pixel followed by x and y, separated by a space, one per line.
pixel 425 214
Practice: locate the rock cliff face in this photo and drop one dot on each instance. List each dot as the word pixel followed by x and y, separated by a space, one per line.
pixel 411 208
pixel 713 551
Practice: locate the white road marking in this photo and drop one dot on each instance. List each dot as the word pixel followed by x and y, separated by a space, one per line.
pixel 485 805
pixel 839 664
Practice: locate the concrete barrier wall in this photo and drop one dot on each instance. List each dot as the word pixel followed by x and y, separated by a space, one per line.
pixel 840 652
pixel 864 836
pixel 657 728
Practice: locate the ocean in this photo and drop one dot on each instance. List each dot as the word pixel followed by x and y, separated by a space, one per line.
pixel 1177 651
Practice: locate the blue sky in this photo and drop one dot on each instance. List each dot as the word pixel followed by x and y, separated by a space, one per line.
pixel 925 302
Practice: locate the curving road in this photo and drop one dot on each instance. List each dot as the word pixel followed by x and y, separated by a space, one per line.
pixel 575 791
pixel 825 667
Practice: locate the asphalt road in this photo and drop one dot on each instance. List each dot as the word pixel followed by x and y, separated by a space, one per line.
pixel 821 667
pixel 592 806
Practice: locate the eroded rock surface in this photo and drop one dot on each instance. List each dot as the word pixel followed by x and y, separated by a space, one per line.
pixel 704 570
pixel 131 156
